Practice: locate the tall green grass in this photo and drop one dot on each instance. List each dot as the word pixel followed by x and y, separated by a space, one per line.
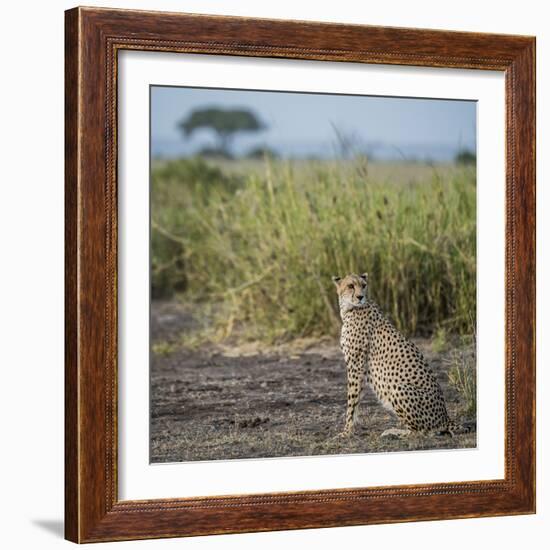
pixel 258 249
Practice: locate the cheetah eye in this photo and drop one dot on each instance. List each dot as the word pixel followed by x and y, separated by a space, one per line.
pixel 350 287
pixel 364 286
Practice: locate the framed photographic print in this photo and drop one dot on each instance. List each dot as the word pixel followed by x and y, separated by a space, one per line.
pixel 300 275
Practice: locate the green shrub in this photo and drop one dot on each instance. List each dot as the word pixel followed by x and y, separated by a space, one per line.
pixel 466 157
pixel 177 187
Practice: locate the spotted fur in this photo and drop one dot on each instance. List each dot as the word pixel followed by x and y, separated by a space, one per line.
pixel 375 351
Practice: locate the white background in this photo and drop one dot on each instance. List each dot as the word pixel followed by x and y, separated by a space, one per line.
pixel 31 229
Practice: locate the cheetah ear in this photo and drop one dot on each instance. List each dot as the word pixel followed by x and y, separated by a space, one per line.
pixel 365 276
pixel 336 280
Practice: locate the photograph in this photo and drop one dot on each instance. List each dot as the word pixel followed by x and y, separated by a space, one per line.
pixel 312 274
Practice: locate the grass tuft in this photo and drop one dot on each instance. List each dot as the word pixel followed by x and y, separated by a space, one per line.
pixel 462 375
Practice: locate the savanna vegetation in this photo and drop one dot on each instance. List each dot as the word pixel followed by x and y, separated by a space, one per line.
pixel 253 244
pixel 244 318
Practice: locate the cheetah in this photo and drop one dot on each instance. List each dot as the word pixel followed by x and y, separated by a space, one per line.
pixel 392 365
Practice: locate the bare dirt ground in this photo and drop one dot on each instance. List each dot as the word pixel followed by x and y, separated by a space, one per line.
pixel 221 402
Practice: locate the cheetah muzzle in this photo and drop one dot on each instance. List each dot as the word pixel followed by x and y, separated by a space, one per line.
pixel 375 351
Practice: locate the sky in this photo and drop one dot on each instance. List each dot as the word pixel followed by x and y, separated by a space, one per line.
pixel 304 124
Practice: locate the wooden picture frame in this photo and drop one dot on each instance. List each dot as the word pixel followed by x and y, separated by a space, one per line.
pixel 93 511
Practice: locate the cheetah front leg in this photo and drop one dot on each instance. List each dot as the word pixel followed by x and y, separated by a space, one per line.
pixel 356 378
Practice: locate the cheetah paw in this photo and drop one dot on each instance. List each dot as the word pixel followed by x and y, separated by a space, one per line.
pixel 395 432
pixel 346 434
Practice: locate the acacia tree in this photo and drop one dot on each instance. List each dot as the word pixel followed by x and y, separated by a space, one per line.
pixel 225 123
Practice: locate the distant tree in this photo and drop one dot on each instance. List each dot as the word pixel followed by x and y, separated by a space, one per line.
pixel 465 157
pixel 262 152
pixel 214 153
pixel 225 123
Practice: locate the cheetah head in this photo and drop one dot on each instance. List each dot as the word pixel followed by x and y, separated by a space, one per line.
pixel 352 290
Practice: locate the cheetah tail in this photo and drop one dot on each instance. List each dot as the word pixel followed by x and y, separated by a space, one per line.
pixel 455 428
